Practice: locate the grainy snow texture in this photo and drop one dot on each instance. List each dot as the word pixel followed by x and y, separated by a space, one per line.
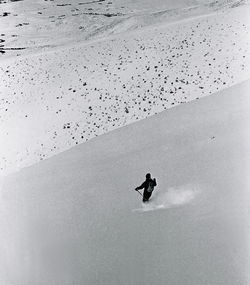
pixel 53 99
pixel 33 25
pixel 76 219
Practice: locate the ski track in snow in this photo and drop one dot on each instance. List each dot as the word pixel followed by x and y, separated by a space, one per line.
pixel 173 197
pixel 52 101
pixel 69 220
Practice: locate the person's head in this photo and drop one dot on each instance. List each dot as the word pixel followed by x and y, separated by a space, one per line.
pixel 148 176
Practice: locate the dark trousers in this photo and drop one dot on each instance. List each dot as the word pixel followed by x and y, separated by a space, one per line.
pixel 146 195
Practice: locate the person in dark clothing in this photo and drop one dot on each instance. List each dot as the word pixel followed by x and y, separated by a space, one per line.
pixel 148 186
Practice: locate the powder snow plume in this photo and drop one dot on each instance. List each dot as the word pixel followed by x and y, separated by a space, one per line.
pixel 173 197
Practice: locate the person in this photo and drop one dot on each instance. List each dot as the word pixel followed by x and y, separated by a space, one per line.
pixel 148 186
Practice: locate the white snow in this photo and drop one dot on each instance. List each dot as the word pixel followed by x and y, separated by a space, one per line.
pixel 30 25
pixel 88 69
pixel 71 219
pixel 173 197
pixel 51 101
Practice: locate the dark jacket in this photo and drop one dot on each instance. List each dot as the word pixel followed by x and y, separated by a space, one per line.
pixel 145 184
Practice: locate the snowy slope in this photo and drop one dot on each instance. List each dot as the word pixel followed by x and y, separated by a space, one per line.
pixel 52 101
pixel 28 26
pixel 75 218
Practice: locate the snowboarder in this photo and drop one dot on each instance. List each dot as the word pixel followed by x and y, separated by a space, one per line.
pixel 148 186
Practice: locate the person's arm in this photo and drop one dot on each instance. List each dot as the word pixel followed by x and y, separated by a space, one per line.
pixel 140 187
pixel 154 182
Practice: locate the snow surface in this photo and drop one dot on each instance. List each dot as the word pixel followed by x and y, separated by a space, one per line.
pixel 28 26
pixel 76 219
pixel 51 101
